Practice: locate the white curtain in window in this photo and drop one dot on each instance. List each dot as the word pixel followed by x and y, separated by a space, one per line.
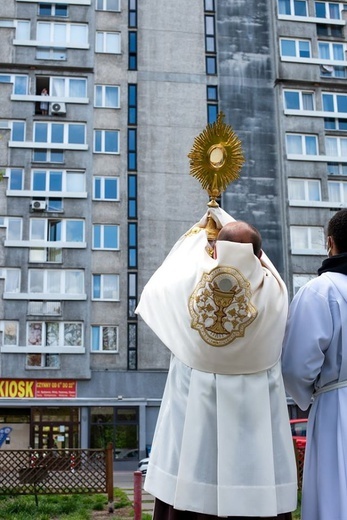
pixel 343 143
pixel 43 32
pixel 53 282
pixel 299 237
pixel 78 34
pixel 77 88
pixel 307 101
pixel 38 229
pixel 58 87
pixel 296 189
pixel 14 229
pixel 334 191
pixel 59 35
pixel 23 30
pixel 331 146
pixel 36 278
pixel 12 280
pixel 294 144
pixel 317 238
pixel 75 181
pixel 74 282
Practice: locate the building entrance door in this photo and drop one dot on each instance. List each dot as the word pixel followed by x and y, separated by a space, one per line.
pixel 55 428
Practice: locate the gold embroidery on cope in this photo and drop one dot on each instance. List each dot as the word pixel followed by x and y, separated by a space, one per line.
pixel 220 306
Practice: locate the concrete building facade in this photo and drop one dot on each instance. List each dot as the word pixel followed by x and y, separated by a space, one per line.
pixel 96 186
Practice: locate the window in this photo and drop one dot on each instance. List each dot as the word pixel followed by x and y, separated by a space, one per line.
pixel 105 236
pixel 304 189
pixel 298 100
pixel 57 181
pixel 292 7
pixel 328 71
pixel 20 82
pixel 337 191
pixel 211 65
pixel 132 295
pixel 132 245
pixel 9 331
pixel 42 361
pixel 132 346
pixel 107 5
pixel 13 227
pixel 106 188
pixel 50 156
pixel 16 178
pixel 330 10
pixel 132 50
pixel 22 30
pixel 106 96
pixel 331 51
pixel 12 279
pixel 307 240
pixel 295 48
pixel 132 10
pixel 336 146
pixel 104 338
pixel 299 280
pixel 117 425
pixel 56 230
pixel 132 196
pixel 106 287
pixel 17 131
pixel 53 10
pixel 68 87
pixel 336 169
pixel 209 5
pixel 335 124
pixel 106 141
pixel 45 53
pixel 212 103
pixel 132 149
pixel 54 334
pixel 62 34
pixel 324 30
pixel 54 281
pixel 108 42
pixel 45 254
pixel 132 104
pixel 210 41
pixel 334 102
pixel 298 144
pixel 69 133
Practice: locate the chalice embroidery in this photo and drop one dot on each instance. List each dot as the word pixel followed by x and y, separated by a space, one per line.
pixel 220 306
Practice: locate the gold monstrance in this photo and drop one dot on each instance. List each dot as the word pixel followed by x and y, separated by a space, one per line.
pixel 216 159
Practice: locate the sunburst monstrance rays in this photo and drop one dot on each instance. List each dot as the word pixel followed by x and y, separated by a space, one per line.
pixel 216 157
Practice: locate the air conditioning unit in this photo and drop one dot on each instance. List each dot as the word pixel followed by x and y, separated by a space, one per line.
pixel 38 205
pixel 58 108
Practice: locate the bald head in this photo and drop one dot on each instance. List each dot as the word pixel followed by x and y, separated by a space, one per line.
pixel 243 233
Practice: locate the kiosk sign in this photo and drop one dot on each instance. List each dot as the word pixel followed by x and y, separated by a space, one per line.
pixel 37 388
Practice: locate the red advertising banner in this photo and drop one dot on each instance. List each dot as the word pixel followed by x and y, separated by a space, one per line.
pixel 38 388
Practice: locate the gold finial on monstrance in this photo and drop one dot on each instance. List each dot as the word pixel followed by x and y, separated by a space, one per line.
pixel 216 160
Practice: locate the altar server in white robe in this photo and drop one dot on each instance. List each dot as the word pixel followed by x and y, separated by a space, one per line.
pixel 315 366
pixel 222 445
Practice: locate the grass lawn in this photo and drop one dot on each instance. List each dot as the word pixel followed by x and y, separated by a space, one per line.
pixel 67 507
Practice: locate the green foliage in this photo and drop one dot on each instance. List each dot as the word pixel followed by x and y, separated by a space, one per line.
pixel 62 507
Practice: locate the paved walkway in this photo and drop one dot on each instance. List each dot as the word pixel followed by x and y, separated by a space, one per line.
pixel 125 480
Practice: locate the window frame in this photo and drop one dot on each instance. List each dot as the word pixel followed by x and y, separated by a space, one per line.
pixel 98 336
pixel 103 277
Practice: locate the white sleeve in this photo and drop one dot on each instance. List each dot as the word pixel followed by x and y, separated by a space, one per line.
pixel 308 334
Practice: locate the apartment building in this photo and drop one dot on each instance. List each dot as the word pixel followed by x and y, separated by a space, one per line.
pixel 96 186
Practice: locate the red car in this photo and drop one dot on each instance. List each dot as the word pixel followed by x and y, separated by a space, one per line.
pixel 299 428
